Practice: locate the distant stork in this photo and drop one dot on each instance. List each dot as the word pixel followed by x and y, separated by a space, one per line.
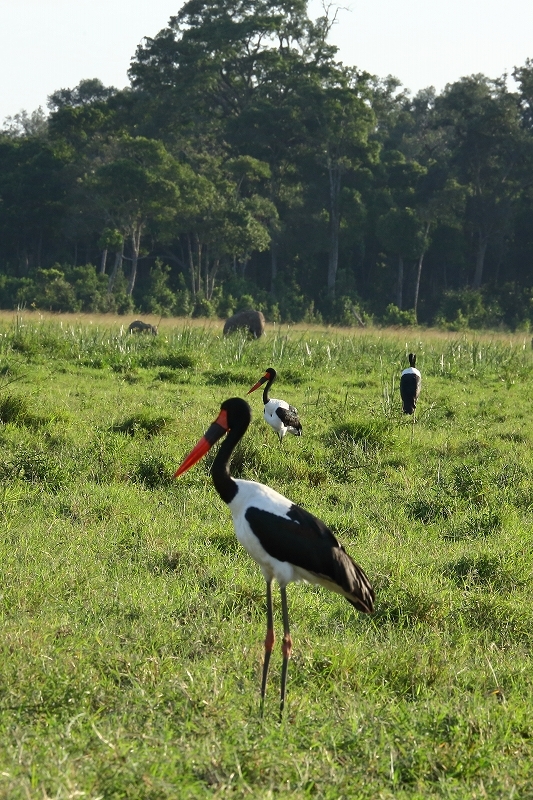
pixel 288 543
pixel 279 414
pixel 410 383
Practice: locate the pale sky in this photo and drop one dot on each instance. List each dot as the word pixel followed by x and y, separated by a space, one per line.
pixel 47 45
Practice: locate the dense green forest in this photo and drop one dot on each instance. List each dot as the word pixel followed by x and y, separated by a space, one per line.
pixel 245 165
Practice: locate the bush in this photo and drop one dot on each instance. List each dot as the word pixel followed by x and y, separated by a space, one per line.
pixel 466 308
pixel 14 292
pixel 394 316
pixel 160 298
pixel 245 303
pixel 90 288
pixel 204 308
pixel 226 306
pixel 53 292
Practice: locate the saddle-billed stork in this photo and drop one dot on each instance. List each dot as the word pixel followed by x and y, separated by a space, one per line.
pixel 278 414
pixel 410 383
pixel 287 542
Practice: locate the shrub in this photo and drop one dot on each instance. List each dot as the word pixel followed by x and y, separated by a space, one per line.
pixel 394 316
pixel 466 308
pixel 245 302
pixel 53 292
pixel 160 299
pixel 204 308
pixel 90 288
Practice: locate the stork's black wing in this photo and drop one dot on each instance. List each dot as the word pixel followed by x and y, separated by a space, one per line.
pixel 289 417
pixel 305 541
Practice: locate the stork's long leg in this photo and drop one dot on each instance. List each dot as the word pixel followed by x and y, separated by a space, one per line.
pixel 269 641
pixel 286 648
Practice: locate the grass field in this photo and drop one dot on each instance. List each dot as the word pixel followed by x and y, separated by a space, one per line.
pixel 133 622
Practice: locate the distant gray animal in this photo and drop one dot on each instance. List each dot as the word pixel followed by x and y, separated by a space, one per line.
pixel 138 326
pixel 252 321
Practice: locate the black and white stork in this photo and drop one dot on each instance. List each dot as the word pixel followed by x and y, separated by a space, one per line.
pixel 410 383
pixel 278 414
pixel 287 542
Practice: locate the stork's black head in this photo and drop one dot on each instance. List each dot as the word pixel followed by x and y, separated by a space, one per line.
pixel 412 359
pixel 235 415
pixel 270 375
pixel 238 412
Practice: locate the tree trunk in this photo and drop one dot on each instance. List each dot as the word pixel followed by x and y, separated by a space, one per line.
pixel 103 261
pixel 191 266
pixel 119 254
pixel 399 287
pixel 39 249
pixel 211 282
pixel 480 259
pixel 244 264
pixel 417 284
pixel 198 262
pixel 25 260
pixel 273 266
pixel 419 270
pixel 135 248
pixel 334 227
pixel 206 271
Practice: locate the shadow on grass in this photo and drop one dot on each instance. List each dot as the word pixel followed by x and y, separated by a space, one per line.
pixel 370 435
pixel 485 570
pixel 141 423
pixel 476 525
pixel 152 472
pixel 246 379
pixel 408 608
pixel 166 563
pixel 15 409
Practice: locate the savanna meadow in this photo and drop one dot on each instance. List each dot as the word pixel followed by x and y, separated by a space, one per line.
pixel 133 621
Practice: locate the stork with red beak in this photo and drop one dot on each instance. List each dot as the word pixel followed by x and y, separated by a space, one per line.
pixel 278 414
pixel 287 542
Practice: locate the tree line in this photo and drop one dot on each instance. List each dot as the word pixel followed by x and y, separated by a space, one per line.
pixel 246 165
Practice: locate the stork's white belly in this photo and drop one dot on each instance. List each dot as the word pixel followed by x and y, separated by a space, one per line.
pixel 411 371
pixel 270 413
pixel 260 496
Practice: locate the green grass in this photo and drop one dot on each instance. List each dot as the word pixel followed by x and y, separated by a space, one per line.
pixel 133 622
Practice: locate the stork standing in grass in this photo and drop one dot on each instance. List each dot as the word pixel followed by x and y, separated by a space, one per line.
pixel 287 542
pixel 278 414
pixel 410 383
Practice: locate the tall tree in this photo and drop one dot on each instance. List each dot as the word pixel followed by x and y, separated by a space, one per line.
pixel 401 234
pixel 137 184
pixel 488 145
pixel 243 69
pixel 340 122
pixel 33 187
